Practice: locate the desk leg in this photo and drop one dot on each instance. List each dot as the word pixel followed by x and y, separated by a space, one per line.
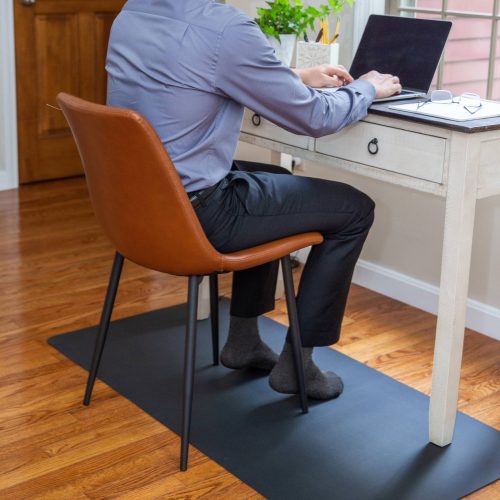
pixel 203 299
pixel 284 161
pixel 455 268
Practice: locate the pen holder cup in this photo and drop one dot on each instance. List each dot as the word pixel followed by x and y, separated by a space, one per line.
pixel 284 48
pixel 311 54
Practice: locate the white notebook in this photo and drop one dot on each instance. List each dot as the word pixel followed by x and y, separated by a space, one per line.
pixel 453 111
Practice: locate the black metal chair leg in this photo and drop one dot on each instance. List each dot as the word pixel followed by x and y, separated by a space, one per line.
pixel 189 361
pixel 109 301
pixel 294 330
pixel 214 315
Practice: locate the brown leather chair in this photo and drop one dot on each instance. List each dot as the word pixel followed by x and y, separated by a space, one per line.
pixel 143 208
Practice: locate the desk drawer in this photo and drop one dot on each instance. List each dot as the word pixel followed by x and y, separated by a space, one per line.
pixel 409 153
pixel 264 128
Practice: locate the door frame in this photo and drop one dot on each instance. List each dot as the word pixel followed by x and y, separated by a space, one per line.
pixel 9 163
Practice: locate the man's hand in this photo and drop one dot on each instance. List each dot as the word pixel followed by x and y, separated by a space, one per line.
pixel 385 85
pixel 325 75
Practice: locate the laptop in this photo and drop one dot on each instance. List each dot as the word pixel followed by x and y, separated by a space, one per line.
pixel 402 46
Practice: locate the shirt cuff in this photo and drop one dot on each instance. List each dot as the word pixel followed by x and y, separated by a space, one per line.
pixel 365 88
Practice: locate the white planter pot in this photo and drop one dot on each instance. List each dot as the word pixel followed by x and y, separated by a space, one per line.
pixel 285 48
pixel 313 54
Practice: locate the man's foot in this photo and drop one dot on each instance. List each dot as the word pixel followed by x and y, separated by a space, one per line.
pixel 259 356
pixel 319 384
pixel 244 347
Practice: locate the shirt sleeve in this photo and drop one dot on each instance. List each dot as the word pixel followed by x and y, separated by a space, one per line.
pixel 248 72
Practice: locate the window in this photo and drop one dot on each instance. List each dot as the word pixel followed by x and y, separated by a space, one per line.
pixel 470 62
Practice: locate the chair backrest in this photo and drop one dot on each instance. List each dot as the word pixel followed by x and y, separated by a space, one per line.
pixel 136 193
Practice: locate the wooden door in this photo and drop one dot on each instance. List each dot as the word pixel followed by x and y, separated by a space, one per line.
pixel 60 46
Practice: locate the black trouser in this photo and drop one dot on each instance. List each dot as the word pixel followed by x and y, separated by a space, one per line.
pixel 254 205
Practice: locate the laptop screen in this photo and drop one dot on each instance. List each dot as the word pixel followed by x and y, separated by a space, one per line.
pixel 406 47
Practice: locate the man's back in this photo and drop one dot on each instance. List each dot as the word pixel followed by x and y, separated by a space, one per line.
pixel 161 63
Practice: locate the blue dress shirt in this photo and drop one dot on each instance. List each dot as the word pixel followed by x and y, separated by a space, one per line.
pixel 191 66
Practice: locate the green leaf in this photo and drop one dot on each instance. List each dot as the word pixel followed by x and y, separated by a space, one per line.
pixel 291 17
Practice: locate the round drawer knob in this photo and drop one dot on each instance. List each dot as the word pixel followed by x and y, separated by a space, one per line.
pixel 373 146
pixel 256 119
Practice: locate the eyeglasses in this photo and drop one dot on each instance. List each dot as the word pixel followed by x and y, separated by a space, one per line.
pixel 471 102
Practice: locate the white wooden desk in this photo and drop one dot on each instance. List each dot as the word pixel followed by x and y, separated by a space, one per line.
pixel 455 160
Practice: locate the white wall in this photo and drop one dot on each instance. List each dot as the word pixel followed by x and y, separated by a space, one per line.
pixel 8 128
pixel 402 256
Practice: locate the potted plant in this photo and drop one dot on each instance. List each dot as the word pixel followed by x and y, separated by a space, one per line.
pixel 285 20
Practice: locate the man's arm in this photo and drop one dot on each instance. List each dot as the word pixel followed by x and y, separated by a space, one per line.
pixel 325 75
pixel 249 72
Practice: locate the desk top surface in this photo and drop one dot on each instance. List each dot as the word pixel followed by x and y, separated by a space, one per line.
pixel 469 127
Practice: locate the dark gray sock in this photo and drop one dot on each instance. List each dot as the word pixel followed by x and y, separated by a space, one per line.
pixel 319 384
pixel 244 347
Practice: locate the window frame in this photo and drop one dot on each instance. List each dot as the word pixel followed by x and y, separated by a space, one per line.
pixel 394 8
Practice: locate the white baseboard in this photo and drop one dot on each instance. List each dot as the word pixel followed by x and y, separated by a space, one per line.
pixel 481 317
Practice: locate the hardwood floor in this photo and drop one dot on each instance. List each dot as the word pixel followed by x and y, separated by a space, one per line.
pixel 54 265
